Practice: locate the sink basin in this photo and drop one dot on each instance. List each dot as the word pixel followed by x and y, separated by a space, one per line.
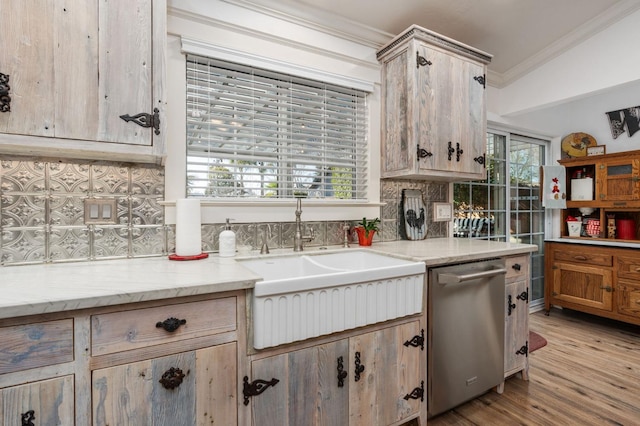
pixel 308 295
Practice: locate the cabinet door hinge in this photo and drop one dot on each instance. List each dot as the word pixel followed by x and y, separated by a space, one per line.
pixel 421 60
pixel 256 387
pixel 416 341
pixel 5 99
pixel 482 160
pixel 416 393
pixel 524 296
pixel 524 350
pixel 423 153
pixel 481 79
pixel 145 120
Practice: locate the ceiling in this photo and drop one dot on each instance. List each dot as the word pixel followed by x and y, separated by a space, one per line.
pixel 520 34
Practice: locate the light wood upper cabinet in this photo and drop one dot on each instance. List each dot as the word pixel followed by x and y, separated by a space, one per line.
pixel 74 69
pixel 433 108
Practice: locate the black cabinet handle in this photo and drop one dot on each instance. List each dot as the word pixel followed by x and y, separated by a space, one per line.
pixel 171 324
pixel 172 378
pixel 28 418
pixel 5 99
pixel 342 374
pixel 510 305
pixel 359 367
pixel 516 266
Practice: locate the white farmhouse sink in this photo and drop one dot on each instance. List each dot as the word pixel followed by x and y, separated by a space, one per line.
pixel 308 295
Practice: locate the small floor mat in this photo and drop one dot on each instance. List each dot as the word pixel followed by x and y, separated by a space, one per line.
pixel 536 341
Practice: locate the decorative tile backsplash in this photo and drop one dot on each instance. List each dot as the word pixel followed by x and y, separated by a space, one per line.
pixel 42 214
pixel 42 210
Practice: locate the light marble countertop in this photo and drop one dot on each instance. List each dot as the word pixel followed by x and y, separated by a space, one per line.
pixel 596 242
pixel 37 289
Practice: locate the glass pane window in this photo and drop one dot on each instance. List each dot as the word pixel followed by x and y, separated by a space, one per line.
pixel 254 133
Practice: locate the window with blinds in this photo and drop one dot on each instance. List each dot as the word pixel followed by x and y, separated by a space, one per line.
pixel 253 133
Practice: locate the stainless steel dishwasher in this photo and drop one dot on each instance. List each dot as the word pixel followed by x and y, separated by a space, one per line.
pixel 466 311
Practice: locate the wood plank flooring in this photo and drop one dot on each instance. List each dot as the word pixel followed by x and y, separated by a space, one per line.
pixel 588 374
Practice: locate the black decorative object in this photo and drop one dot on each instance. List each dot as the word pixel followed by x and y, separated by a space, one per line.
pixel 28 418
pixel 256 387
pixel 171 324
pixel 172 378
pixel 421 61
pixel 423 153
pixel 416 393
pixel 481 159
pixel 516 267
pixel 628 118
pixel 5 99
pixel 524 296
pixel 450 151
pixel 510 305
pixel 482 80
pixel 524 350
pixel 145 120
pixel 342 374
pixel 413 215
pixel 416 341
pixel 459 152
pixel 359 367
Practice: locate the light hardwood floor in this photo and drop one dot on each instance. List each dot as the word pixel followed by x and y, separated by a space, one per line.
pixel 588 374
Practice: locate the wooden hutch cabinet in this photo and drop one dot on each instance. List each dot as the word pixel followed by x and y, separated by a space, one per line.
pixel 598 272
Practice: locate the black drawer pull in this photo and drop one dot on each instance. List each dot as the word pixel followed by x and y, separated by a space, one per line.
pixel 171 324
pixel 172 378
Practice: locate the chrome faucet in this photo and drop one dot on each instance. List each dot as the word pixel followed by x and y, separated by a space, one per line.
pixel 265 238
pixel 299 239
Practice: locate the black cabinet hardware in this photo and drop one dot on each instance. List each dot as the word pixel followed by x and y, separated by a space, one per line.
pixel 171 324
pixel 416 341
pixel 172 378
pixel 145 120
pixel 256 387
pixel 342 374
pixel 359 367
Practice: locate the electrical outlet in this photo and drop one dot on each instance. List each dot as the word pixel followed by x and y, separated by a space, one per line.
pixel 100 211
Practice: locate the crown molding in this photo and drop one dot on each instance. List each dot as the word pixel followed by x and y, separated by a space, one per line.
pixel 574 38
pixel 319 20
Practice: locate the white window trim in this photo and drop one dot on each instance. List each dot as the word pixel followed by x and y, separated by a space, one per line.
pixel 210 50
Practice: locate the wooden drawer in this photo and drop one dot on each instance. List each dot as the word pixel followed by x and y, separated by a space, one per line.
pixel 517 266
pixel 629 267
pixel 583 256
pixel 138 328
pixel 36 345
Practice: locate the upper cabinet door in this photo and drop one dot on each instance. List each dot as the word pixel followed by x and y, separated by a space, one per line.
pixel 451 113
pixel 75 68
pixel 433 108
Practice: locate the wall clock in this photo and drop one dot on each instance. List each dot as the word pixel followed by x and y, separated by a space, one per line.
pixel 596 150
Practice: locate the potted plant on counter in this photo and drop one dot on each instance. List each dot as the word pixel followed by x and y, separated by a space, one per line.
pixel 366 229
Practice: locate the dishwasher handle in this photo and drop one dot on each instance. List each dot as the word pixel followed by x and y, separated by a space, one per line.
pixel 449 278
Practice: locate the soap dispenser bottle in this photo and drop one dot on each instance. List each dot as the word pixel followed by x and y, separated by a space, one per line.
pixel 227 241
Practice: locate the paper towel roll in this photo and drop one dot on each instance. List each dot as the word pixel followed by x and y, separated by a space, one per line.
pixel 188 232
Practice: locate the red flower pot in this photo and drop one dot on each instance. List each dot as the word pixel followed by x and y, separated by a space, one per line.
pixel 364 238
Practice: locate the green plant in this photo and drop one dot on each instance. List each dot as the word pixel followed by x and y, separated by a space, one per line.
pixel 369 225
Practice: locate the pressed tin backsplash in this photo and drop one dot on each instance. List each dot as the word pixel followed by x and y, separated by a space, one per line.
pixel 42 214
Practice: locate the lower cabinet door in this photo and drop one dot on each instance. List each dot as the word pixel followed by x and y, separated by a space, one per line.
pixel 186 389
pixel 47 402
pixel 386 384
pixel 628 293
pixel 312 387
pixel 516 327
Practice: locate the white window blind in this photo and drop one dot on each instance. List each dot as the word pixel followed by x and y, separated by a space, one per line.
pixel 252 133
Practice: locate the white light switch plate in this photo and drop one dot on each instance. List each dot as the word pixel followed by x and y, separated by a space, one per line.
pixel 442 212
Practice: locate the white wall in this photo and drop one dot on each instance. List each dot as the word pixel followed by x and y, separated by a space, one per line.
pixel 232 28
pixel 572 92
